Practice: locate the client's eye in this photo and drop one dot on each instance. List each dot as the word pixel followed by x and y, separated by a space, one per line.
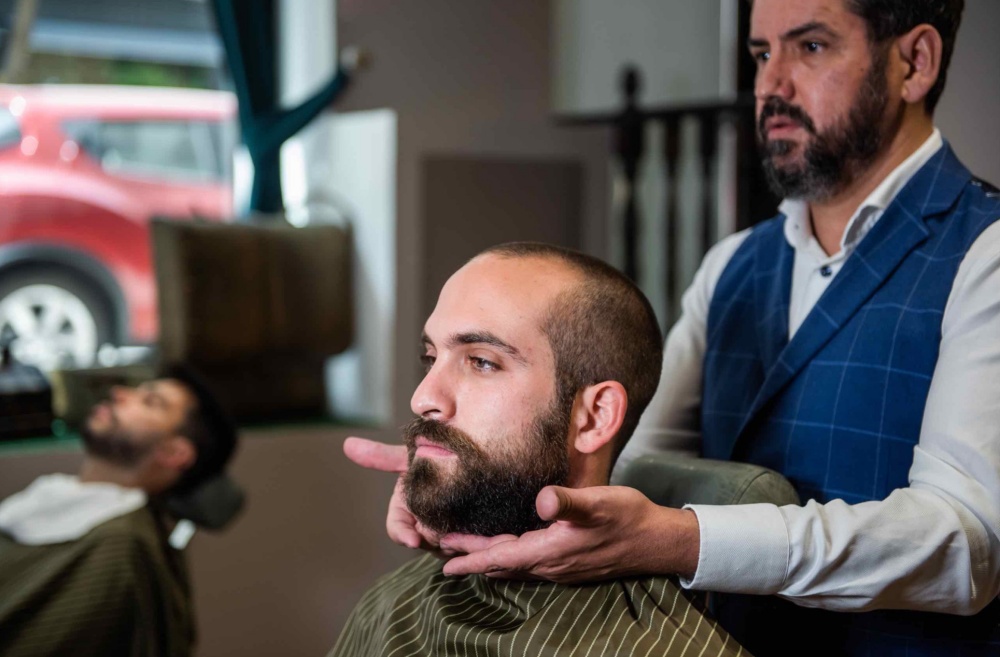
pixel 483 365
pixel 427 361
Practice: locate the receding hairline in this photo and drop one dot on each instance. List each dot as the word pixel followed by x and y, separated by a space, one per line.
pixel 541 256
pixel 576 275
pixel 583 269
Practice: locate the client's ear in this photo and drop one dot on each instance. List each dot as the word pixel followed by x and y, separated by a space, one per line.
pixel 176 453
pixel 598 415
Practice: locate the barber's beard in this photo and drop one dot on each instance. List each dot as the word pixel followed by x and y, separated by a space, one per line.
pixel 487 494
pixel 113 445
pixel 835 158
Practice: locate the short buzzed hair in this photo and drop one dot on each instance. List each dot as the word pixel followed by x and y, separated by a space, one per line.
pixel 601 329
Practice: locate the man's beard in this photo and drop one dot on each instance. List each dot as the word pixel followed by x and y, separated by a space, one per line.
pixel 834 159
pixel 113 445
pixel 487 495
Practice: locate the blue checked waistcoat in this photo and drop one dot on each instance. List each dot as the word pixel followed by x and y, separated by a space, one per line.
pixel 838 408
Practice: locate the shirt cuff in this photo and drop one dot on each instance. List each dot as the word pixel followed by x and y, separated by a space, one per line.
pixel 744 549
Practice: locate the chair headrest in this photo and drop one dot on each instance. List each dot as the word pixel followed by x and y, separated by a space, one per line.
pixel 674 481
pixel 213 504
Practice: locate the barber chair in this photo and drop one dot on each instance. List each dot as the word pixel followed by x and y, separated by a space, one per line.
pixel 211 505
pixel 675 481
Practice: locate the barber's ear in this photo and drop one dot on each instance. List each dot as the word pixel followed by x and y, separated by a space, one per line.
pixel 920 51
pixel 598 415
pixel 176 453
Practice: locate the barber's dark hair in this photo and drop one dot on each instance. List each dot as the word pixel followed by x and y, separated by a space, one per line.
pixel 602 329
pixel 208 425
pixel 887 19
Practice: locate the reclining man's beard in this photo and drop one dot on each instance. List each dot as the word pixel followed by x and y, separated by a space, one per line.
pixel 113 446
pixel 486 496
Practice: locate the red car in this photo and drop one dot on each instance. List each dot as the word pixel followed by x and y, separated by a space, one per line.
pixel 83 169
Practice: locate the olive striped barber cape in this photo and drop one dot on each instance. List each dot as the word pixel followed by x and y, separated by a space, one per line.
pixel 118 591
pixel 419 611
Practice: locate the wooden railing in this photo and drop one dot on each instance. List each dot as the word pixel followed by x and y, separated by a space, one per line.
pixel 753 200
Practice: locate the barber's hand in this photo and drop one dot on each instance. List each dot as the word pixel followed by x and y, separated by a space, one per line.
pixel 400 524
pixel 598 533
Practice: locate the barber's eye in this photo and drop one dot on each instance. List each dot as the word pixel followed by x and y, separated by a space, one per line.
pixel 813 46
pixel 483 365
pixel 427 361
pixel 762 56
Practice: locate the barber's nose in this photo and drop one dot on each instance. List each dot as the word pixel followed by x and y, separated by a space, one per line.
pixel 773 79
pixel 434 397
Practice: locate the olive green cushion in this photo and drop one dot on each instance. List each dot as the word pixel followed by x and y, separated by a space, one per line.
pixel 675 481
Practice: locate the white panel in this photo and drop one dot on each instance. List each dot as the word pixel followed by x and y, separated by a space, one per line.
pixel 360 182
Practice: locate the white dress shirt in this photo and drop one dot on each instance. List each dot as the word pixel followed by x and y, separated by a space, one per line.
pixel 934 545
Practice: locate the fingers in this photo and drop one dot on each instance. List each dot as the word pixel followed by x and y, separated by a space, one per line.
pixel 467 543
pixel 399 522
pixel 375 455
pixel 519 577
pixel 429 539
pixel 573 505
pixel 502 556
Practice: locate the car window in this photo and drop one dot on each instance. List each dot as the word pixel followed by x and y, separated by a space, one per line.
pixel 171 150
pixel 10 129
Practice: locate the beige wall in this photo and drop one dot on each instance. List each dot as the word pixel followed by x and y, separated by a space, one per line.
pixel 970 105
pixel 284 578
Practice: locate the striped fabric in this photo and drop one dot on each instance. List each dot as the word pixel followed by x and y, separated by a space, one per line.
pixel 419 611
pixel 837 409
pixel 118 591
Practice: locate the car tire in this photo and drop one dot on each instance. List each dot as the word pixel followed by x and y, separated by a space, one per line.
pixel 53 319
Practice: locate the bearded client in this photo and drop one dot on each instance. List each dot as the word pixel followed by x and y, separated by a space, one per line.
pixel 539 363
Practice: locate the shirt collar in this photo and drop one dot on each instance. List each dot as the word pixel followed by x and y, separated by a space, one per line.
pixel 798 228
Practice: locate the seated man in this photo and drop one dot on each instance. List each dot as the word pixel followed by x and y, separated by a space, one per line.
pixel 539 363
pixel 85 567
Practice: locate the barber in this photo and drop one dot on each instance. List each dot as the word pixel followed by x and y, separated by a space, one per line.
pixel 851 343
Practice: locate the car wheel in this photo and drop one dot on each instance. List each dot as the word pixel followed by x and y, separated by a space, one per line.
pixel 52 320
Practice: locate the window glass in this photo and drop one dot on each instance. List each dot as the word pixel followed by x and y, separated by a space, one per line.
pixel 116 112
pixel 177 150
pixel 10 129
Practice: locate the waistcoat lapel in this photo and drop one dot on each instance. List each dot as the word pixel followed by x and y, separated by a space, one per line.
pixel 772 291
pixel 933 190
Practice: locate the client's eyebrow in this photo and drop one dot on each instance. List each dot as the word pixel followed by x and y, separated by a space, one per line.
pixel 794 33
pixel 479 337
